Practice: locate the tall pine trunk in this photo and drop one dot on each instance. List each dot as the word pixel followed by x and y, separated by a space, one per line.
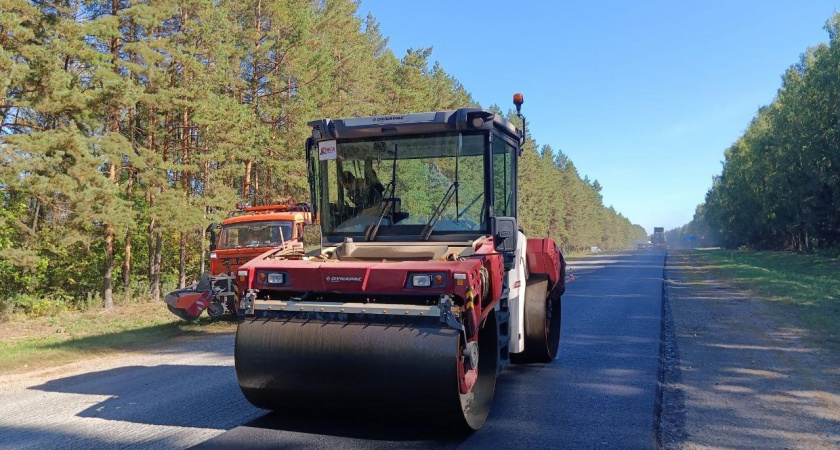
pixel 246 183
pixel 257 186
pixel 127 250
pixel 107 283
pixel 185 186
pixel 203 260
pixel 156 281
pixel 182 266
pixel 154 249
pixel 107 279
pixel 113 127
pixel 205 191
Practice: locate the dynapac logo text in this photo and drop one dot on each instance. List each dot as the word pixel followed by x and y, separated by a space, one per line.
pixel 388 118
pixel 340 279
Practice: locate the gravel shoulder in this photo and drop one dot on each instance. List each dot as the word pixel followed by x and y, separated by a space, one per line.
pixel 740 373
pixel 177 396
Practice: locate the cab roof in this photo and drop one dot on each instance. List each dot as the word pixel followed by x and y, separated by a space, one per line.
pixel 266 217
pixel 463 119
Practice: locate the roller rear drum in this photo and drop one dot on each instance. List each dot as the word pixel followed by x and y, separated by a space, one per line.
pixel 542 322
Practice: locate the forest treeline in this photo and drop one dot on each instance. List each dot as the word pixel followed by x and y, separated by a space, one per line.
pixel 780 185
pixel 127 123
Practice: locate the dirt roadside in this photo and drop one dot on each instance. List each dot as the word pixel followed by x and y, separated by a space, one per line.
pixel 175 396
pixel 739 375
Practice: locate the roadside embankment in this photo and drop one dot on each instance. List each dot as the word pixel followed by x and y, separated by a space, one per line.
pixel 804 287
pixel 755 365
pixel 28 343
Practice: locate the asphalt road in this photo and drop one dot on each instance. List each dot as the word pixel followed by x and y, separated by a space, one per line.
pixel 600 392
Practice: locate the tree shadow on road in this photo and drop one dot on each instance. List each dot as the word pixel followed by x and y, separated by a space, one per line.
pixel 159 395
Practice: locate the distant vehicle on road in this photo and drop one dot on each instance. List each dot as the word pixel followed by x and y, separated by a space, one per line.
pixel 658 238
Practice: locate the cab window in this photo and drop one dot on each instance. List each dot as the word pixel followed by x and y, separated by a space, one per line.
pixel 504 167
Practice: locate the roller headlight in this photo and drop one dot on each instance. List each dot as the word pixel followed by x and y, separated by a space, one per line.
pixel 426 280
pixel 276 278
pixel 421 280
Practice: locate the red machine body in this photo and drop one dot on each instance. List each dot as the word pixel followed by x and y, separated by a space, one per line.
pixel 544 257
pixel 383 278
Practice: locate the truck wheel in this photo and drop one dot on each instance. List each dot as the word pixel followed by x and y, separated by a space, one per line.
pixel 542 322
pixel 215 310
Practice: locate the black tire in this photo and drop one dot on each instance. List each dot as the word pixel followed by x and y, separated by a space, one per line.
pixel 542 322
pixel 215 310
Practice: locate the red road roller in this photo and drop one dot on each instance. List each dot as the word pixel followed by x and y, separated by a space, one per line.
pixel 423 289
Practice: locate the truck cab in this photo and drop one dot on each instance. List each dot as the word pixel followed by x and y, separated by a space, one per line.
pixel 253 230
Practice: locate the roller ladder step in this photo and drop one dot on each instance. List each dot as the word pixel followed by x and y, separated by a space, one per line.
pixel 503 318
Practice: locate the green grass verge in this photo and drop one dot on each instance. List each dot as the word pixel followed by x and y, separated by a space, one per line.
pixel 69 337
pixel 807 286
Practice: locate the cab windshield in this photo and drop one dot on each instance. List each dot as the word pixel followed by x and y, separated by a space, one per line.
pixel 255 234
pixel 400 183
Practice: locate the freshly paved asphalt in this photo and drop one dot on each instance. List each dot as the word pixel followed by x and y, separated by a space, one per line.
pixel 600 393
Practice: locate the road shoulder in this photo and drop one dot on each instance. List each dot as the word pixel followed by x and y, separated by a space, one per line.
pixel 736 373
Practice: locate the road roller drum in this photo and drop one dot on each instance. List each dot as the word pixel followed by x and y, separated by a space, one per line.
pixel 407 369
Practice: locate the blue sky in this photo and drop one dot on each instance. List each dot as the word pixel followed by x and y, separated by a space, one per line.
pixel 643 96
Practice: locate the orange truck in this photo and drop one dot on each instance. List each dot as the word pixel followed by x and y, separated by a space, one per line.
pixel 247 232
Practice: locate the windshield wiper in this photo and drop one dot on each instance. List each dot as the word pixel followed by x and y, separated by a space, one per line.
pixel 373 228
pixel 430 225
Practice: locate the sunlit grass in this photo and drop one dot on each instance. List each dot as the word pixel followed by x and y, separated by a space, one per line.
pixel 72 336
pixel 806 286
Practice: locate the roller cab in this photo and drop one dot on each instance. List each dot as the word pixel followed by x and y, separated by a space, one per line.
pixel 408 307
